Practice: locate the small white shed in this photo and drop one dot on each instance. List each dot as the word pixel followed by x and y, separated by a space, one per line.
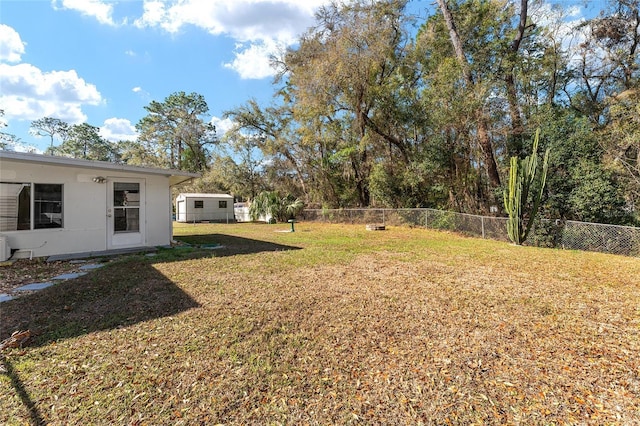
pixel 193 207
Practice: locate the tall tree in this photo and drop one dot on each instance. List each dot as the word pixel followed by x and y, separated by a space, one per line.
pixel 608 87
pixel 482 120
pixel 274 132
pixel 136 153
pixel 248 173
pixel 342 80
pixel 50 127
pixel 218 178
pixel 621 140
pixel 509 70
pixel 609 59
pixel 176 131
pixel 84 141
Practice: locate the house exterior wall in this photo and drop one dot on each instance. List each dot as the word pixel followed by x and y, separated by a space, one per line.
pixel 210 210
pixel 85 208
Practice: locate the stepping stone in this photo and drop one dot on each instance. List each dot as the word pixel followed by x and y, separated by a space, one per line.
pixel 4 297
pixel 151 254
pixel 77 262
pixel 69 276
pixel 91 266
pixel 34 286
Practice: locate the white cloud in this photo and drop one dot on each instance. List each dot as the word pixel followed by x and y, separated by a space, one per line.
pixel 261 27
pixel 11 45
pixel 252 62
pixel 118 129
pixel 243 20
pixel 153 15
pixel 29 93
pixel 143 94
pixel 222 125
pixel 100 10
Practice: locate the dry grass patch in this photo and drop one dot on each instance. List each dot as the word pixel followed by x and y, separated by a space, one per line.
pixel 334 325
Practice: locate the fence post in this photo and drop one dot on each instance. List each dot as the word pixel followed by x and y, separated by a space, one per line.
pixel 482 222
pixel 426 218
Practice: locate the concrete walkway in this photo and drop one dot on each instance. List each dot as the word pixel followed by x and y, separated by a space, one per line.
pixel 16 292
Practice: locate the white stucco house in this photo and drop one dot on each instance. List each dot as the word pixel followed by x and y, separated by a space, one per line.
pixel 57 205
pixel 199 207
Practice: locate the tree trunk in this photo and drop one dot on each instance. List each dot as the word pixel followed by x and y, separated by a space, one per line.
pixel 517 128
pixel 483 131
pixel 487 151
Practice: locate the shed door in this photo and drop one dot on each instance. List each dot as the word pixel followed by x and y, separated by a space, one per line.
pixel 181 214
pixel 125 213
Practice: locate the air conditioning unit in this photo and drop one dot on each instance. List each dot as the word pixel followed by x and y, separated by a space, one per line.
pixel 5 250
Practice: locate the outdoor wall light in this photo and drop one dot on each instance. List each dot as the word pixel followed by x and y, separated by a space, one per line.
pixel 99 179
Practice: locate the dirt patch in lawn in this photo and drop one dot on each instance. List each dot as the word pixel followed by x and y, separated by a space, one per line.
pixel 16 273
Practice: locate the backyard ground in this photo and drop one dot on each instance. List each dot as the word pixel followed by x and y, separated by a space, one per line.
pixel 27 271
pixel 331 324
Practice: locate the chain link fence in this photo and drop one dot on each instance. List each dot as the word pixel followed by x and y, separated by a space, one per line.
pixel 570 235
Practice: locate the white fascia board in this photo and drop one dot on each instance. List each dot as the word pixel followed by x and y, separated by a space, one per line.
pixel 176 177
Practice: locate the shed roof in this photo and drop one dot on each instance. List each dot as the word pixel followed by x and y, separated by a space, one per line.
pixel 203 195
pixel 176 177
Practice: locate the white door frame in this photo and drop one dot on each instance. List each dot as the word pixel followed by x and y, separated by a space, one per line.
pixel 126 217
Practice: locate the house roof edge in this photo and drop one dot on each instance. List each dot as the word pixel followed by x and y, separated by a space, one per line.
pixel 178 176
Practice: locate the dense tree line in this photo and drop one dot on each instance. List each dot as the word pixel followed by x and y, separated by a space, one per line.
pixel 374 114
pixel 375 107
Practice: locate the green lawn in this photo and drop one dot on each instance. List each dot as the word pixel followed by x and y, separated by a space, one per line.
pixel 331 324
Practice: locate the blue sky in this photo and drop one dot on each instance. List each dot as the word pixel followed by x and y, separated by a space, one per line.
pixel 102 62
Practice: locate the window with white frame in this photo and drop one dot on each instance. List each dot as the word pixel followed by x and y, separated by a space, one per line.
pixel 26 206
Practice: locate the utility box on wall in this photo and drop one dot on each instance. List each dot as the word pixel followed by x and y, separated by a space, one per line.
pixel 5 250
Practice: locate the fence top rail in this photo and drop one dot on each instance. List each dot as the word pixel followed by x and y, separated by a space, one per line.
pixel 418 209
pixel 609 225
pixel 415 209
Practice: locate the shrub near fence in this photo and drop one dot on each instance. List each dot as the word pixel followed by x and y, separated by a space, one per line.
pixel 615 239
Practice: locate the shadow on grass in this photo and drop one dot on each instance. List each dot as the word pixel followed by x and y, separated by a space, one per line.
pixel 232 245
pixel 122 293
pixel 34 413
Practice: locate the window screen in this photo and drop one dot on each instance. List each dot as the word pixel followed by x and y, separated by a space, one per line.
pixel 47 206
pixel 19 200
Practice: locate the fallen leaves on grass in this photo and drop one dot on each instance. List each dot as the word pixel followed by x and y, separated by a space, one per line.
pixel 352 329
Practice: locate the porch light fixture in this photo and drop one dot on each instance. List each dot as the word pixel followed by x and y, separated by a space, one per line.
pixel 99 179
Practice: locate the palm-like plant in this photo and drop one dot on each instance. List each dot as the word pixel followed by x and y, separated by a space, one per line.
pixel 272 204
